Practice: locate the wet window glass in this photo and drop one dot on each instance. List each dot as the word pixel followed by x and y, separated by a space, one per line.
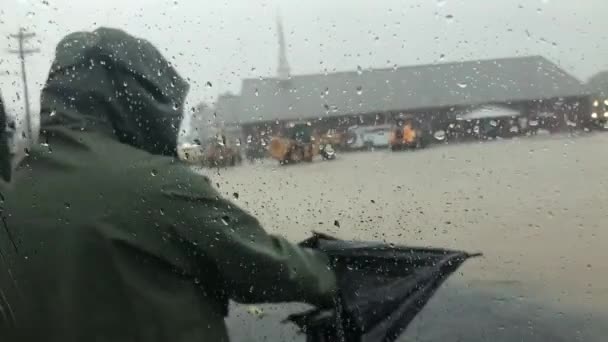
pixel 177 170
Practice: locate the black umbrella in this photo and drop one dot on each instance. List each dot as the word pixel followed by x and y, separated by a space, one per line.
pixel 381 288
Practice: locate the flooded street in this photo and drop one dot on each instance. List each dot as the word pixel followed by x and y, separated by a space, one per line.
pixel 471 134
pixel 535 207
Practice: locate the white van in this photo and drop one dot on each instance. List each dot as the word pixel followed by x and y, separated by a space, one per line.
pixel 368 136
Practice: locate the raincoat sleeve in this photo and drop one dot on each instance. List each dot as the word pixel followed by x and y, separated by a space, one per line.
pixel 255 266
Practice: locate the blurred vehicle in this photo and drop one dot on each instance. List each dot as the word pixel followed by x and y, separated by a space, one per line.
pixel 335 138
pixel 214 152
pixel 543 122
pixel 327 152
pixel 218 152
pixel 256 148
pixel 377 137
pixel 298 144
pixel 488 122
pixel 368 137
pixel 191 152
pixel 599 113
pixel 406 133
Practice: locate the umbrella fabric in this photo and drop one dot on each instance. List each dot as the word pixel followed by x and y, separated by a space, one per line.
pixel 381 288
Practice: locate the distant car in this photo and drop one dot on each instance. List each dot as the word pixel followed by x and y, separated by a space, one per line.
pixel 256 148
pixel 489 122
pixel 368 137
pixel 214 152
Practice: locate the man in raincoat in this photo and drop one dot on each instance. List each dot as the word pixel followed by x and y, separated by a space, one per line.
pixel 106 237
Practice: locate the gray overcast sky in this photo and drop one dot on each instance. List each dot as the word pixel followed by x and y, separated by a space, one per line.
pixel 222 42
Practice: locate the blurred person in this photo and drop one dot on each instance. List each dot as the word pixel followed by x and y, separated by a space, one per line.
pixel 107 237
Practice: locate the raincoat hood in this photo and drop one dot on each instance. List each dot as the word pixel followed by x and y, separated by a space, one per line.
pixel 110 81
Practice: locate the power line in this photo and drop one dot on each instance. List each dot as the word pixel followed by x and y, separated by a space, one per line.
pixel 22 36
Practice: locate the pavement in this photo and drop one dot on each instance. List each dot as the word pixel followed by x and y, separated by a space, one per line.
pixel 536 207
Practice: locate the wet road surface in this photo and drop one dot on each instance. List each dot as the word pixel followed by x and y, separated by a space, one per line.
pixel 536 207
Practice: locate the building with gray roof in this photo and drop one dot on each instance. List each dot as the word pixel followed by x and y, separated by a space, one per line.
pixel 436 93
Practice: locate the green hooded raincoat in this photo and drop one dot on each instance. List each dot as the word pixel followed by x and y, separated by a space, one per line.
pixel 106 237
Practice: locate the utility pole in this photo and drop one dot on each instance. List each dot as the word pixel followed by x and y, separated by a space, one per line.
pixel 21 37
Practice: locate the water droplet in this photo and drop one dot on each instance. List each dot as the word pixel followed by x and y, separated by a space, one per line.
pixel 449 18
pixel 208 84
pixel 67 205
pixel 235 195
pixel 154 172
pixel 359 90
pixel 336 223
pixel 225 220
pixel 359 70
pixel 161 211
pixel 256 92
pixel 461 85
pixel 53 113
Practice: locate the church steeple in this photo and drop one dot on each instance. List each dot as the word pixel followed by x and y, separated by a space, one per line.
pixel 283 71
